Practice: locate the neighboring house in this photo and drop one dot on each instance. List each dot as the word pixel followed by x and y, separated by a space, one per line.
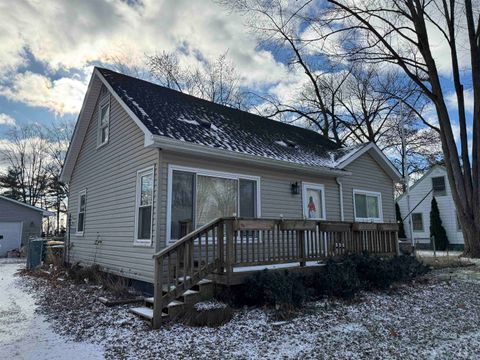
pixel 147 165
pixel 18 223
pixel 433 183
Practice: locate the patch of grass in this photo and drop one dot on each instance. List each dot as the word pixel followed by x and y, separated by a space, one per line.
pixel 211 318
pixel 94 274
pixel 443 262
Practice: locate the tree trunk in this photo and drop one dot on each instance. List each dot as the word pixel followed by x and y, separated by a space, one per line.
pixel 471 234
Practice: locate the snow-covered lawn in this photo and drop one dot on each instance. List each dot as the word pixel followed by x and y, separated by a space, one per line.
pixel 435 318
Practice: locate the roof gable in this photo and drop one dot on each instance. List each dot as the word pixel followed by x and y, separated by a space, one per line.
pixel 377 155
pixel 423 178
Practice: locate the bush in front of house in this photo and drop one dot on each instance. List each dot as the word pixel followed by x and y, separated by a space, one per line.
pixel 337 278
pixel 380 273
pixel 342 279
pixel 275 288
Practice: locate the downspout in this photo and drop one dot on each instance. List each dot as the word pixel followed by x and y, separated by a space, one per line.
pixel 340 193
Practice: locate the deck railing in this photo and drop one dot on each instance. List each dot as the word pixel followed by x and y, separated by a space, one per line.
pixel 225 243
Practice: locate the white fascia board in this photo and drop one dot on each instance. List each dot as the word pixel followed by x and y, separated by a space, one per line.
pixel 84 120
pixel 189 148
pixel 378 155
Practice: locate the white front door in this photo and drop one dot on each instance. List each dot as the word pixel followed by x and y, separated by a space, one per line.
pixel 10 236
pixel 313 201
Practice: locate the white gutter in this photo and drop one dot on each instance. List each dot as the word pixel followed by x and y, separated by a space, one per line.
pixel 189 148
pixel 340 191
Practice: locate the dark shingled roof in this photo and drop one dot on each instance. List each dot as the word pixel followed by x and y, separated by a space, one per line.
pixel 183 117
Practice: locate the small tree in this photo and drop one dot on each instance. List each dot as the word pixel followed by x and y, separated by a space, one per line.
pixel 401 229
pixel 436 228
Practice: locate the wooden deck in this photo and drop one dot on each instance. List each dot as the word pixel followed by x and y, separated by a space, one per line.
pixel 225 246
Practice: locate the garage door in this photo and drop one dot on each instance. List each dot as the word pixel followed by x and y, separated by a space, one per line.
pixel 10 236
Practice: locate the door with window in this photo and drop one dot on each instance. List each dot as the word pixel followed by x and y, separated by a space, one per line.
pixel 313 201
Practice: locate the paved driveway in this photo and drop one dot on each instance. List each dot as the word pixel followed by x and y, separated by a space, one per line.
pixel 25 334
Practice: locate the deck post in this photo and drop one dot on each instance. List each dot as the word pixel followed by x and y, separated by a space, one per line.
pixel 230 248
pixel 301 246
pixel 397 244
pixel 158 294
pixel 221 246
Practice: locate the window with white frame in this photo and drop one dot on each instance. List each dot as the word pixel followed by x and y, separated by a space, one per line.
pixel 104 124
pixel 417 221
pixel 367 205
pixel 144 206
pixel 82 206
pixel 199 196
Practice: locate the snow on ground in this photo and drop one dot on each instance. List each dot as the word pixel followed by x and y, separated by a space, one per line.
pixel 436 318
pixel 24 334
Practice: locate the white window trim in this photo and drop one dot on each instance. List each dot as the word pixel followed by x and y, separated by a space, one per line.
pixel 206 172
pixel 423 224
pixel 315 186
pixel 380 205
pixel 80 194
pixel 146 171
pixel 102 104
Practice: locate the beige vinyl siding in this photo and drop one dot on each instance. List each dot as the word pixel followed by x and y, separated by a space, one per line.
pixel 109 176
pixel 31 219
pixel 368 175
pixel 276 197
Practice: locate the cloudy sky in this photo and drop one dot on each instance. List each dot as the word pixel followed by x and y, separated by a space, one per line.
pixel 48 48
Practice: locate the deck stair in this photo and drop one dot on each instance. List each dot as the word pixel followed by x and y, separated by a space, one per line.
pixel 203 290
pixel 215 250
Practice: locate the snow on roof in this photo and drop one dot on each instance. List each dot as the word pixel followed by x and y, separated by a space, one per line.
pixel 172 114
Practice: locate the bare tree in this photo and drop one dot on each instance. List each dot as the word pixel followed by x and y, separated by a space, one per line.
pixel 35 155
pixel 58 137
pixel 281 26
pixel 213 80
pixel 340 98
pixel 400 33
pixel 26 154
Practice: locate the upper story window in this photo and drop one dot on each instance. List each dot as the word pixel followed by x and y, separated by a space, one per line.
pixel 82 205
pixel 417 221
pixel 438 186
pixel 104 124
pixel 367 205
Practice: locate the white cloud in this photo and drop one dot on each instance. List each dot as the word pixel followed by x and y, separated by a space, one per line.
pixel 452 100
pixel 63 95
pixel 70 35
pixel 7 120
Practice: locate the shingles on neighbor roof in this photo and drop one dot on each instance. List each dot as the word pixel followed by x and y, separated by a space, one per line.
pixel 179 116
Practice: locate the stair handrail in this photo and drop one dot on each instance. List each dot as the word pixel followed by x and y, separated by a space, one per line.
pixel 188 237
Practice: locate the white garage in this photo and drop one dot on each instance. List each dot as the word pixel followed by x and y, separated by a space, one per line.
pixel 10 236
pixel 18 223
